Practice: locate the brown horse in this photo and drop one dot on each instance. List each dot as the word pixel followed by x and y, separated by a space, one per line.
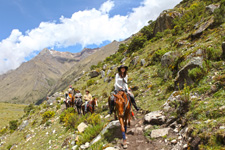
pixel 70 102
pixel 90 106
pixel 123 112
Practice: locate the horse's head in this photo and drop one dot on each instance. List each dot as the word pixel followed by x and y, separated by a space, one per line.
pixel 95 102
pixel 120 103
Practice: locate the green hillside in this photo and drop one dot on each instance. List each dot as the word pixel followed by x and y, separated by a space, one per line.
pixel 177 59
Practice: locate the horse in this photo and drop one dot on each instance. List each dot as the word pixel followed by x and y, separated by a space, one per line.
pixel 78 104
pixel 90 106
pixel 70 102
pixel 123 112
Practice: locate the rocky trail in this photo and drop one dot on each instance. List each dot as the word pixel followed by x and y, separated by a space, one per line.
pixel 141 135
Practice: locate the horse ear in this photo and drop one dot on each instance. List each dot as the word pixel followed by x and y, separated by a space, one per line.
pixel 115 95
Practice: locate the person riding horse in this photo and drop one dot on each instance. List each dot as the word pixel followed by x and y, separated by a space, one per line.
pixel 87 98
pixel 121 85
pixel 78 101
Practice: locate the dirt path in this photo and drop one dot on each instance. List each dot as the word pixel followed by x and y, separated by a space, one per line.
pixel 136 139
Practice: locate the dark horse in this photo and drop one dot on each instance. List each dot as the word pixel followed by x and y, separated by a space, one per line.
pixel 90 106
pixel 78 103
pixel 122 110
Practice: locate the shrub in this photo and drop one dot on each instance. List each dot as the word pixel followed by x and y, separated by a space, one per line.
pixel 3 130
pixel 196 74
pixel 58 106
pixel 13 125
pixel 212 53
pixel 47 115
pixel 219 13
pixel 122 48
pixel 28 108
pixel 158 54
pixel 137 43
pixel 58 98
pixel 147 31
pixel 90 82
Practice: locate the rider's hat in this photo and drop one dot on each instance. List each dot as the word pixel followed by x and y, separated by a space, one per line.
pixel 122 66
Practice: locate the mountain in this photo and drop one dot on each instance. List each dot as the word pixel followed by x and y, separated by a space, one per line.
pixel 177 76
pixel 84 65
pixel 33 79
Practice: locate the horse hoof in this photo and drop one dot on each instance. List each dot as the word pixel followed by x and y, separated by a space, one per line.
pixel 125 146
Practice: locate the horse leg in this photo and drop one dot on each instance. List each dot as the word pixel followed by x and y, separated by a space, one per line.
pixel 123 132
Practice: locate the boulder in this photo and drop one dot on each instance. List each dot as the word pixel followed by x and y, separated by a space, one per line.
pixel 165 21
pixel 155 118
pixel 23 125
pixel 104 67
pixel 112 67
pixel 102 73
pixel 107 79
pixel 197 33
pixel 211 8
pixel 93 74
pixel 134 61
pixel 136 131
pixel 143 62
pixel 111 125
pixel 85 146
pixel 74 147
pixel 175 96
pixel 109 71
pixel 223 48
pixel 182 75
pixel 160 132
pixel 51 100
pixel 81 127
pixel 123 60
pixel 168 58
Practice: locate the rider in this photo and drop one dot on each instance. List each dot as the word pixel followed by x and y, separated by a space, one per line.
pixel 78 94
pixel 121 84
pixel 87 98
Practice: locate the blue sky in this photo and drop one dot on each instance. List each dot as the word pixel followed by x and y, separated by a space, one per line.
pixel 28 26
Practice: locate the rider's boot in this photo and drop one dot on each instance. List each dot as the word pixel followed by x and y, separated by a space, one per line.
pixel 134 103
pixel 111 107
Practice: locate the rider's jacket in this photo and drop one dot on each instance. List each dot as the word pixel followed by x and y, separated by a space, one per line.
pixel 121 83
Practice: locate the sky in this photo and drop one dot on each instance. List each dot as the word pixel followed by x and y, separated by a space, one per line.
pixel 27 26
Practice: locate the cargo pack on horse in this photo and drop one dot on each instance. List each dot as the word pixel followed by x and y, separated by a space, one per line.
pixel 90 106
pixel 122 110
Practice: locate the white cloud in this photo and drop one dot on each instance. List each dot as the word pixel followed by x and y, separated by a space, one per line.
pixel 84 27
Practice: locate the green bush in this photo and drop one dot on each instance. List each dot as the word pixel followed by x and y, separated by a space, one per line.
pixel 90 82
pixel 13 125
pixel 58 98
pixel 137 43
pixel 29 108
pixel 47 115
pixel 58 106
pixel 147 31
pixel 3 130
pixel 158 54
pixel 122 48
pixel 196 74
pixel 219 13
pixel 213 53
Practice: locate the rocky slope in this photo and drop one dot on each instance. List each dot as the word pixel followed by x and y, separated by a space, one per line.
pixel 178 80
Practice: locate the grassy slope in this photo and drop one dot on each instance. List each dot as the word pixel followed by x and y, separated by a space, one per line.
pixel 204 117
pixel 10 112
